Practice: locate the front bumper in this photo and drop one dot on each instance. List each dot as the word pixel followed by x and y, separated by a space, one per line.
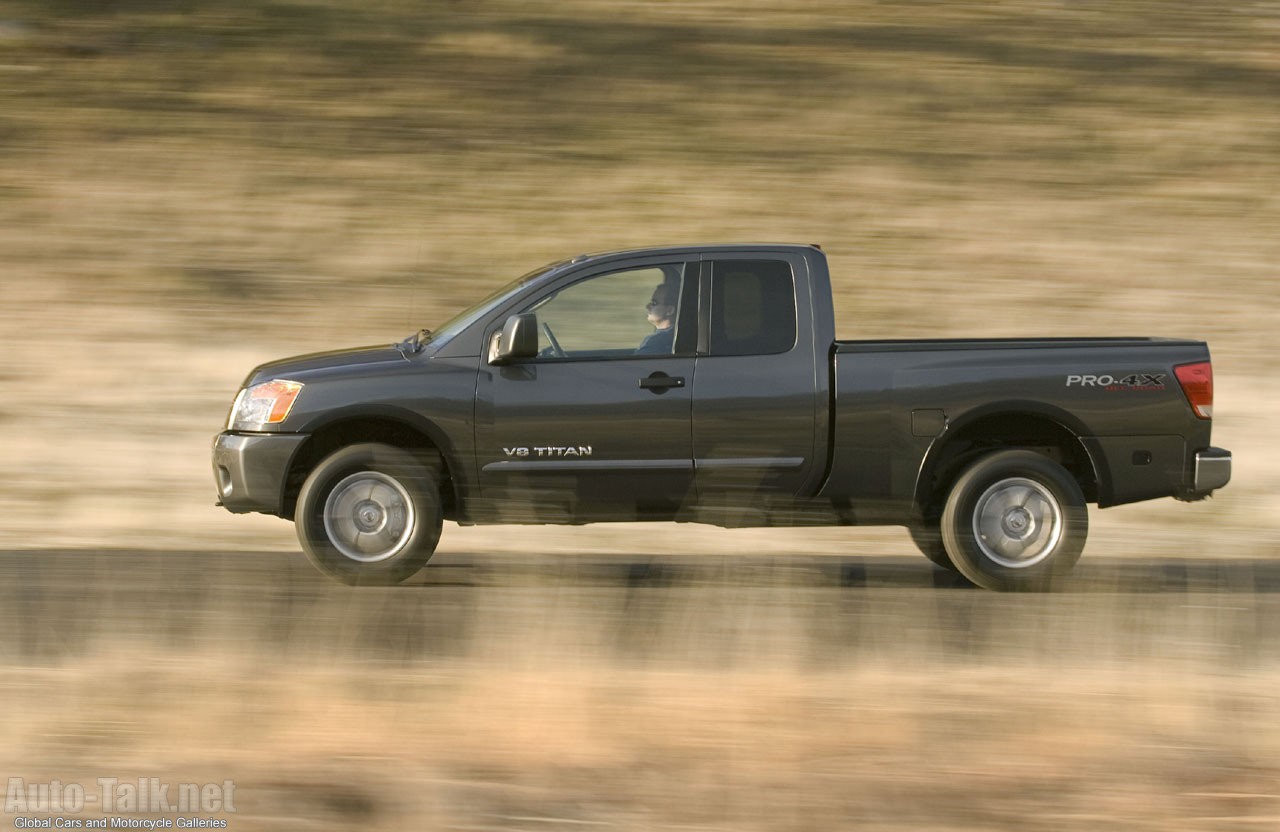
pixel 1212 471
pixel 250 469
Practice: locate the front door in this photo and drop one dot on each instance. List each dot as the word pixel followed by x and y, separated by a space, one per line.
pixel 598 426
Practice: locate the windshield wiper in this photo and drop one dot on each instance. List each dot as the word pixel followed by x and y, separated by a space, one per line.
pixel 415 342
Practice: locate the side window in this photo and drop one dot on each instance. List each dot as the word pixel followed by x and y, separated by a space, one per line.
pixel 753 307
pixel 614 315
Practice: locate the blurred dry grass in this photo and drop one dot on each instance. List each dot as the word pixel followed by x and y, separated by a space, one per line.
pixel 191 188
pixel 467 747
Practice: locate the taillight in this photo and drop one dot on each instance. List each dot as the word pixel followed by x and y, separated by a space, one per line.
pixel 1197 384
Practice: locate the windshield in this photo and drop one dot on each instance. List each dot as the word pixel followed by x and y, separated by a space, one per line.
pixel 458 323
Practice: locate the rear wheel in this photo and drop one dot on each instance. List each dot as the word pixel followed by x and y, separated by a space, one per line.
pixel 370 514
pixel 1015 520
pixel 928 539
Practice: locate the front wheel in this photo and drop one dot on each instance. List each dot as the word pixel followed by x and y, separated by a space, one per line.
pixel 1015 520
pixel 370 514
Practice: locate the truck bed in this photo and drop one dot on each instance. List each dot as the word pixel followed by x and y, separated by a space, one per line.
pixel 897 403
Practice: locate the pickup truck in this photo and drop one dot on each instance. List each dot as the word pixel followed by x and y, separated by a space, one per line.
pixel 705 384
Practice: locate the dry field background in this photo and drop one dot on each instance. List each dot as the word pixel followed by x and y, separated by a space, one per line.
pixel 188 189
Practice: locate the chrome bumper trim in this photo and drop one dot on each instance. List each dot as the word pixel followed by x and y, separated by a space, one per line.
pixel 1213 470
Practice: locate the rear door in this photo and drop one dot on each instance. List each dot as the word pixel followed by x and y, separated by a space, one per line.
pixel 755 408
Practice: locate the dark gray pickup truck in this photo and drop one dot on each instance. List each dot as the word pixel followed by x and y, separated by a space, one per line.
pixel 706 384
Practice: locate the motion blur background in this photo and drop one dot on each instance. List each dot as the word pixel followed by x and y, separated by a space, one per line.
pixel 190 188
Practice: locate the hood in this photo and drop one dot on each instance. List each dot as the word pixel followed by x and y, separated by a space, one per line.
pixel 321 364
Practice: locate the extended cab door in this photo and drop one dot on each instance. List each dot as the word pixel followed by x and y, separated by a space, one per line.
pixel 756 408
pixel 598 425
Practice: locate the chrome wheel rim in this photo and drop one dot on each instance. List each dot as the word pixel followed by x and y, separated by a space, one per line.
pixel 369 517
pixel 1017 522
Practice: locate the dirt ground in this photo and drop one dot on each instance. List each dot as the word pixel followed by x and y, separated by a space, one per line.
pixel 653 692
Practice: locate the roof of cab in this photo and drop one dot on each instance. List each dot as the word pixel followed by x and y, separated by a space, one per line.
pixel 689 249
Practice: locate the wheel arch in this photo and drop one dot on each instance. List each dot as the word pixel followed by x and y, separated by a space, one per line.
pixel 1034 426
pixel 387 425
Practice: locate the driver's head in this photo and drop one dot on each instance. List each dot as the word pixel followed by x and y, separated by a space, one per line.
pixel 662 306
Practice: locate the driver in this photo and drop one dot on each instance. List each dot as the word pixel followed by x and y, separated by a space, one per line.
pixel 662 315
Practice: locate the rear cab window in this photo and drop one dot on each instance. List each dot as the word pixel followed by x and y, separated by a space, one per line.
pixel 753 307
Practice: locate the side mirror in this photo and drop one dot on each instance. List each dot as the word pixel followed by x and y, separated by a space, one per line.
pixel 519 339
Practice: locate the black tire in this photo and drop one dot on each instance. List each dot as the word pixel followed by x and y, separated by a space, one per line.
pixel 1015 521
pixel 370 514
pixel 928 539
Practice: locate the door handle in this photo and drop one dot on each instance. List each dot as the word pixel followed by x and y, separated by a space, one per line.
pixel 661 382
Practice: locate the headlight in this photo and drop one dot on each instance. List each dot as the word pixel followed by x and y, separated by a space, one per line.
pixel 263 404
